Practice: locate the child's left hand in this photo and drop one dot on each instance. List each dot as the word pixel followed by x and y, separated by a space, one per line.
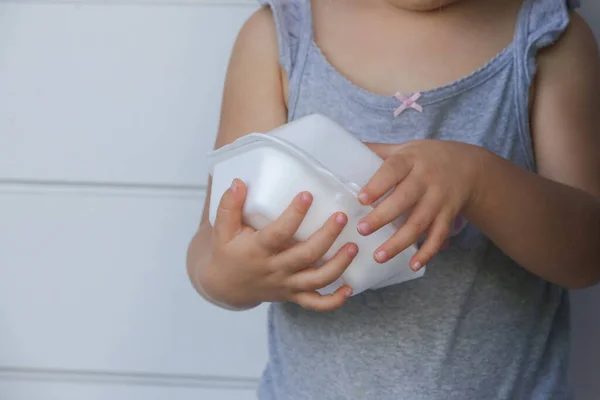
pixel 436 180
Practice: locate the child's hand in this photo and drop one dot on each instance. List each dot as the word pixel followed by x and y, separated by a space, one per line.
pixel 435 181
pixel 249 267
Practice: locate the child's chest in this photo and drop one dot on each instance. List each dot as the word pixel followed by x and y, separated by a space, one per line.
pixel 384 51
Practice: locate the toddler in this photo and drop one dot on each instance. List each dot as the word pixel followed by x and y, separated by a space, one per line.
pixel 482 109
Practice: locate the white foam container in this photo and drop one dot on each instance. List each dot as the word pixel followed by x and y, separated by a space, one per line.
pixel 316 155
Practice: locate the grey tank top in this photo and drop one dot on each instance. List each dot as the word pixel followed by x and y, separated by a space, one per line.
pixel 477 325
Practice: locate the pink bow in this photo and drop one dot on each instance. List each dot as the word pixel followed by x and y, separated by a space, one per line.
pixel 407 102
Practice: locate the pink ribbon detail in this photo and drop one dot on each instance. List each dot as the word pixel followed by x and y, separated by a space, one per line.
pixel 407 102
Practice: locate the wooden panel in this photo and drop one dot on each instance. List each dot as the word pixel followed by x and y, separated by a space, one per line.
pixel 141 2
pixel 25 390
pixel 112 93
pixel 95 279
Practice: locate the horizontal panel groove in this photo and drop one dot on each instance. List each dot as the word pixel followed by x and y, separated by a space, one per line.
pixel 126 378
pixel 107 188
pixel 242 3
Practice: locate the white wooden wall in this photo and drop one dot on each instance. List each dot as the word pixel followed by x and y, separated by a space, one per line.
pixel 107 108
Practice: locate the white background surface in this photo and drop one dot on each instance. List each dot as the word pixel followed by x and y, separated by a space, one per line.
pixel 107 109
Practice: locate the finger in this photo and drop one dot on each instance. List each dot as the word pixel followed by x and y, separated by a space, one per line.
pixel 406 195
pixel 381 149
pixel 323 303
pixel 307 253
pixel 278 234
pixel 229 213
pixel 419 220
pixel 392 171
pixel 316 278
pixel 436 237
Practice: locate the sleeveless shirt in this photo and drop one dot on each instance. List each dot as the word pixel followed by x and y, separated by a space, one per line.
pixel 477 325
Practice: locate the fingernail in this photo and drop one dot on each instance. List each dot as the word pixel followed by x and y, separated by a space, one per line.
pixel 381 256
pixel 364 228
pixel 234 186
pixel 363 198
pixel 306 197
pixel 341 219
pixel 348 292
pixel 416 266
pixel 353 250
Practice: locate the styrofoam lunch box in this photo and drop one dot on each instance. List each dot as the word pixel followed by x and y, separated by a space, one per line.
pixel 316 155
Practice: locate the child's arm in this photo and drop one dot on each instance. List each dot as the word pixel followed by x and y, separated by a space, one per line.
pixel 233 266
pixel 552 226
pixel 252 102
pixel 253 94
pixel 548 222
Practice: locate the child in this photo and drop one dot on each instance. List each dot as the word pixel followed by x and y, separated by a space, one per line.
pixel 487 109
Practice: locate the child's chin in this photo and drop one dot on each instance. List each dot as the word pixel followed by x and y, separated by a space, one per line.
pixel 422 5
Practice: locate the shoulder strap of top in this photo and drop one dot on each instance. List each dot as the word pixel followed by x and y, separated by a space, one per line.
pixel 540 24
pixel 293 21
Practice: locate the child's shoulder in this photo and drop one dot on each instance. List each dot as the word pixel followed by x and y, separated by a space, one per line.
pixel 292 20
pixel 253 98
pixel 258 36
pixel 577 40
pixel 565 101
pixel 573 53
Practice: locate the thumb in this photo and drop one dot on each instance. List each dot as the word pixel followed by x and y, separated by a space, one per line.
pixel 228 222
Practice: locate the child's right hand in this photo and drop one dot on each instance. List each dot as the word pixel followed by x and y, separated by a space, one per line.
pixel 248 267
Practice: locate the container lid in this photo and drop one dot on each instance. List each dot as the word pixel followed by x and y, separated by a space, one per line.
pixel 257 140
